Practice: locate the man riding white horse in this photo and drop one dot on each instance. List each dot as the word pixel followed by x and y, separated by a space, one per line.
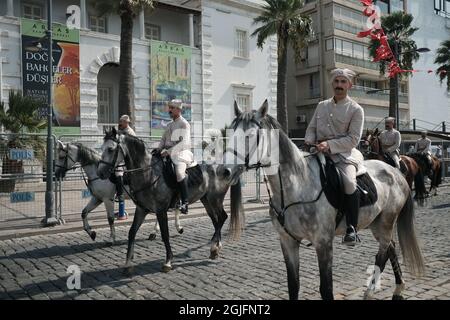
pixel 423 145
pixel 176 143
pixel 336 129
pixel 390 141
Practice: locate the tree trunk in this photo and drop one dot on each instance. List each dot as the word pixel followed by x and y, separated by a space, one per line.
pixel 392 86
pixel 126 61
pixel 281 84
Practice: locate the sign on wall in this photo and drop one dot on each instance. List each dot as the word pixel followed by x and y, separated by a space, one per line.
pixel 66 72
pixel 16 197
pixel 170 70
pixel 21 154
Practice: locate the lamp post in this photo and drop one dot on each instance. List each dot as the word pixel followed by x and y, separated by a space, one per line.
pixel 50 218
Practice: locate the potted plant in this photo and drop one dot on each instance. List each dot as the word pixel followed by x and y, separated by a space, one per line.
pixel 20 118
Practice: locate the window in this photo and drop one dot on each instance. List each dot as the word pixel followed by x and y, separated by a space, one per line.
pixel 442 7
pixel 152 31
pixel 338 46
pixel 105 110
pixel 329 45
pixel 97 24
pixel 396 5
pixel 243 101
pixel 314 85
pixel 32 11
pixel 358 51
pixel 347 48
pixel 384 6
pixel 241 44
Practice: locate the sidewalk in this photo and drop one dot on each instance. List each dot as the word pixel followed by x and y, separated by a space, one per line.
pixel 32 226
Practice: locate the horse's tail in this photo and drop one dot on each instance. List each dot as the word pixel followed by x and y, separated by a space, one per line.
pixel 419 185
pixel 237 211
pixel 408 240
pixel 438 174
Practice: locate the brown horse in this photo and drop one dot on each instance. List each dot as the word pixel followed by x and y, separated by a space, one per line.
pixel 371 149
pixel 436 174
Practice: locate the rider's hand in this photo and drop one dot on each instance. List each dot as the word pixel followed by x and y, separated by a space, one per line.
pixel 164 153
pixel 323 147
pixel 156 151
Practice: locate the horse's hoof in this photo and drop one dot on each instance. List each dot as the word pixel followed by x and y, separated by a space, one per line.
pixel 152 237
pixel 214 255
pixel 128 271
pixel 397 297
pixel 181 231
pixel 93 235
pixel 166 268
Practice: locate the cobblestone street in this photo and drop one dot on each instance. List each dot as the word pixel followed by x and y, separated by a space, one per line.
pixel 251 268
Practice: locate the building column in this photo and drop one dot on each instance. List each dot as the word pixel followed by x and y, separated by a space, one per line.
pixel 84 14
pixel 191 30
pixel 10 8
pixel 142 24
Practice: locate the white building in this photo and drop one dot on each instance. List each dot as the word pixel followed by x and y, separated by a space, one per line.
pixel 429 100
pixel 225 62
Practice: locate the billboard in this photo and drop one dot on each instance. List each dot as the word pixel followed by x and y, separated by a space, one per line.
pixel 170 71
pixel 66 72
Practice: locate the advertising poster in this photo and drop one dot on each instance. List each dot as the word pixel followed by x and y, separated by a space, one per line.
pixel 170 70
pixel 66 72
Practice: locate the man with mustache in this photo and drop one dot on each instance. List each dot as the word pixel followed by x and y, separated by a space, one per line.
pixel 390 140
pixel 336 129
pixel 176 143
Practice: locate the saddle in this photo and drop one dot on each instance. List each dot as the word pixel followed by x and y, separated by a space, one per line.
pixel 332 185
pixel 390 161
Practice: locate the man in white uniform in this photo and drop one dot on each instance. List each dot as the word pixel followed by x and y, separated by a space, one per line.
pixel 176 143
pixel 423 145
pixel 336 129
pixel 124 128
pixel 390 141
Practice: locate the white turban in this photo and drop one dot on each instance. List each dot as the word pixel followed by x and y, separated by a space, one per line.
pixel 176 103
pixel 390 119
pixel 125 118
pixel 347 73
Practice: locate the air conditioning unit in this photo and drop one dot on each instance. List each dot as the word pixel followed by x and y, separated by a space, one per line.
pixel 301 118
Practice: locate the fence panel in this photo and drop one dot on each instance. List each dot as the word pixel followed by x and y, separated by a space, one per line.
pixel 23 179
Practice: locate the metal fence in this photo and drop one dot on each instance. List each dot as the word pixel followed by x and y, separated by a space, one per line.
pixel 22 184
pixel 23 180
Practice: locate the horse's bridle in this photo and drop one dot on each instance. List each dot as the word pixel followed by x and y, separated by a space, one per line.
pixel 64 167
pixel 247 164
pixel 112 165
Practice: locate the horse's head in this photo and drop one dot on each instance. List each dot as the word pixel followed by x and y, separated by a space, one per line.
pixel 248 145
pixel 370 144
pixel 112 154
pixel 66 158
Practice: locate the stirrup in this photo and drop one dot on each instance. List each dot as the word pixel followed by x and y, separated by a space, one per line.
pixel 183 208
pixel 351 238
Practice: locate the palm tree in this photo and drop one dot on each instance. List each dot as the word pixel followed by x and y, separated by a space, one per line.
pixel 127 10
pixel 443 58
pixel 282 18
pixel 398 29
pixel 21 117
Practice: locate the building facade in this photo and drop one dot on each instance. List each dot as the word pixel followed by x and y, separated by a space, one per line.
pixel 433 108
pixel 336 45
pixel 225 64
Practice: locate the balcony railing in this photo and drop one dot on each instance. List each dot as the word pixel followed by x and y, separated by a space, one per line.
pixel 361 92
pixel 357 62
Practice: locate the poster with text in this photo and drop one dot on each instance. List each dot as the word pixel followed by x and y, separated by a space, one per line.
pixel 66 72
pixel 170 71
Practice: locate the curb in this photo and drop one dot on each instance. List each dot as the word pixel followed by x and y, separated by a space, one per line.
pixel 101 223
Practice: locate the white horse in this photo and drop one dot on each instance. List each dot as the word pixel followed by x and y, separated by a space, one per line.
pixel 102 191
pixel 300 210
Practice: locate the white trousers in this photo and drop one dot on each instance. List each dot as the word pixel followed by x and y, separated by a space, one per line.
pixel 180 170
pixel 348 174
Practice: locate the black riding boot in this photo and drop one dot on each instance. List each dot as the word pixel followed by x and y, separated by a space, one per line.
pixel 184 196
pixel 119 188
pixel 351 217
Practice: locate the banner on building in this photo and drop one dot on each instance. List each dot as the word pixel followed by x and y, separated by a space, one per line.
pixel 66 72
pixel 170 71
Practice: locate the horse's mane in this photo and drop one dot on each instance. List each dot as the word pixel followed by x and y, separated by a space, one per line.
pixel 87 155
pixel 136 149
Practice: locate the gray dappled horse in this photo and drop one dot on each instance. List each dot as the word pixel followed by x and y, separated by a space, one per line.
pixel 151 192
pixel 295 178
pixel 102 191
